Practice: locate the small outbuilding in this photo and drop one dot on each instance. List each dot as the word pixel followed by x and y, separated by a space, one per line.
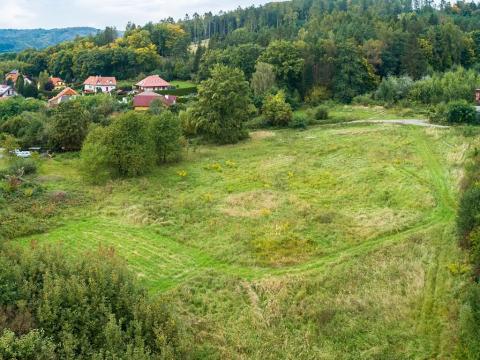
pixel 6 91
pixel 143 100
pixel 477 96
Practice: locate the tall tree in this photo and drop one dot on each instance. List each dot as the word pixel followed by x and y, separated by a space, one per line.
pixel 223 106
pixel 288 63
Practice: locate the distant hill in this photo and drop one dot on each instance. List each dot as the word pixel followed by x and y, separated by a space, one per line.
pixel 13 40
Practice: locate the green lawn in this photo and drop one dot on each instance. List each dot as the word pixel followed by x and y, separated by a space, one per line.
pixel 335 242
pixel 180 84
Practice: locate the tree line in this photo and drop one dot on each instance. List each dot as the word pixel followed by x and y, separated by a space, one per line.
pixel 335 48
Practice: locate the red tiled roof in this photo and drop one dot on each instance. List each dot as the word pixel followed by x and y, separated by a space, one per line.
pixel 55 80
pixel 145 99
pixel 13 75
pixel 169 100
pixel 153 81
pixel 101 81
pixel 65 92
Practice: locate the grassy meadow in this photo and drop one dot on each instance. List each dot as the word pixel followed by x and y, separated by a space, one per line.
pixel 334 242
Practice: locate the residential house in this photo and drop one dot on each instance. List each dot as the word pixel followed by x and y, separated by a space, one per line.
pixel 57 83
pixel 153 83
pixel 477 96
pixel 95 84
pixel 143 100
pixel 13 77
pixel 6 91
pixel 63 96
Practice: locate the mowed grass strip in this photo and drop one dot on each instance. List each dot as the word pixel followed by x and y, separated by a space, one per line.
pixel 281 201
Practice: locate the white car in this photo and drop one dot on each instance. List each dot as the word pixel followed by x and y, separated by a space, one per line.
pixel 22 154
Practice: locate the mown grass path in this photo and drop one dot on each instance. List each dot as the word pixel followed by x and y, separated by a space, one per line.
pixel 165 263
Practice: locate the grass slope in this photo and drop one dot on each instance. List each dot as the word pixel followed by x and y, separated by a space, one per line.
pixel 330 243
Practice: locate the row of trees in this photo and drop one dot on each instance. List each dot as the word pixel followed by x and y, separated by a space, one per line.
pixel 332 48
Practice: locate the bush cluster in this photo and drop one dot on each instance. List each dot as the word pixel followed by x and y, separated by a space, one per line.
pixel 276 111
pixel 90 307
pixel 468 228
pixel 455 112
pixel 130 145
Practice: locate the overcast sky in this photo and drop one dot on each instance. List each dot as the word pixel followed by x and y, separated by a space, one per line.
pixel 28 14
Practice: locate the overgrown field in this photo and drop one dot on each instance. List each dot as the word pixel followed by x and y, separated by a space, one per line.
pixel 335 242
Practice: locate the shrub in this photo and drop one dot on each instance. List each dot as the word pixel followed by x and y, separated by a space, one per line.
pixel 468 213
pixel 321 113
pixel 461 112
pixel 299 121
pixel 438 114
pixel 123 149
pixel 317 95
pixel 81 308
pixel 365 100
pixel 179 92
pixel 17 105
pixel 276 111
pixel 470 319
pixel 68 127
pixel 27 166
pixel 166 132
pixel 9 143
pixel 393 89
pixel 28 128
pixel 453 85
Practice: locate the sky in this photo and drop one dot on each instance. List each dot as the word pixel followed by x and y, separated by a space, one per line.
pixel 29 14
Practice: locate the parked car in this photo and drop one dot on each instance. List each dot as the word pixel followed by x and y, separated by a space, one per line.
pixel 22 154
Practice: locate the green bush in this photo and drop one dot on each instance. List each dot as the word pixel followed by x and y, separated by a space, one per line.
pixel 166 131
pixel 365 100
pixel 321 113
pixel 469 320
pixel 28 166
pixel 468 215
pixel 276 111
pixel 317 95
pixel 68 126
pixel 455 112
pixel 458 84
pixel 461 112
pixel 438 114
pixel 179 92
pixel 82 308
pixel 299 121
pixel 223 106
pixel 393 89
pixel 125 148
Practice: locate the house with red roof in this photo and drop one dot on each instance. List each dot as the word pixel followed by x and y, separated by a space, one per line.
pixel 143 100
pixel 102 84
pixel 14 75
pixel 153 83
pixel 64 95
pixel 57 82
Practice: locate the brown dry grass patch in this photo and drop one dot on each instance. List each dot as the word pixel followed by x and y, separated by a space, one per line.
pixel 251 204
pixel 261 134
